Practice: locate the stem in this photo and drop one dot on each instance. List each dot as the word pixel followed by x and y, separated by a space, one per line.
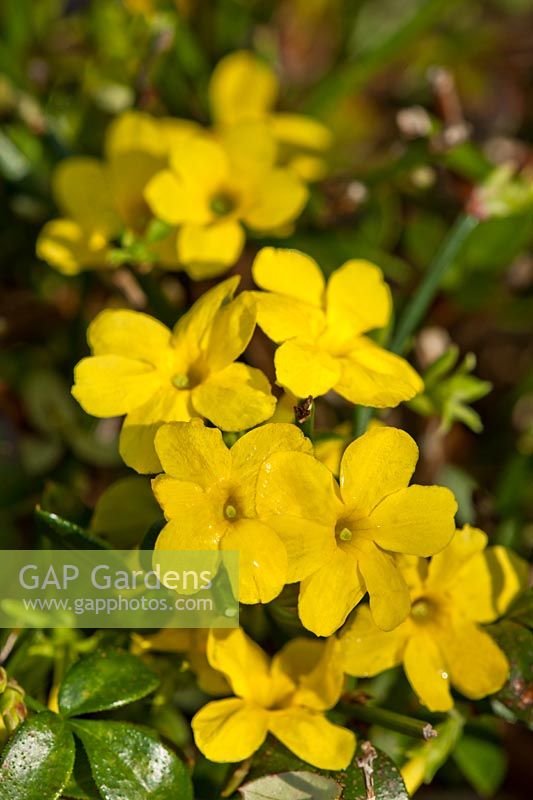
pixel 33 704
pixel 417 728
pixel 415 310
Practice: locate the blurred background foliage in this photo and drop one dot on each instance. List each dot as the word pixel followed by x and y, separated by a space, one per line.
pixel 425 98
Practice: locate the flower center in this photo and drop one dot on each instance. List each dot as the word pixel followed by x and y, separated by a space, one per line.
pixel 423 610
pixel 222 204
pixel 345 535
pixel 180 380
pixel 230 512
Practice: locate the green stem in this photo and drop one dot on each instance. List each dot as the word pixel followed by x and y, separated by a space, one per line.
pixel 415 310
pixel 410 726
pixel 33 704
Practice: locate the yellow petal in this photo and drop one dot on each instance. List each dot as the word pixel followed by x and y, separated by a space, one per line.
pixel 129 174
pixel 130 334
pixel 190 531
pixel 174 132
pixel 300 131
pixel 201 162
pixel 375 465
pixel 242 86
pixel 297 485
pixel 475 663
pixel 366 650
pixel 279 198
pixel 357 299
pixel 176 202
pixel 137 446
pixel 251 150
pixel 108 386
pixel 328 596
pixel 68 247
pixel 242 661
pixel 189 451
pixel 167 640
pixel 289 273
pixel 81 188
pixel 417 521
pixel 427 672
pixel 195 323
pixel 208 250
pixel 304 369
pixel 177 497
pixel 375 377
pixel 236 398
pixel 262 562
pixel 251 450
pixel 282 317
pixel 309 168
pixel 313 738
pixel 230 333
pixel 229 730
pixel 308 543
pixel 134 131
pixel 315 668
pixel 465 544
pixel 390 601
pixel 488 583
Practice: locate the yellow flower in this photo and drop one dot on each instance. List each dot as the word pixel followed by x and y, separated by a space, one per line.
pixel 244 88
pixel 153 375
pixel 100 200
pixel 441 642
pixel 342 540
pixel 213 186
pixel 286 697
pixel 322 329
pixel 193 643
pixel 208 495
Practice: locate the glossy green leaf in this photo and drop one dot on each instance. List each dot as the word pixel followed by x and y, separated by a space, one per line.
pixel 388 783
pixel 522 609
pixel 37 761
pixel 128 763
pixel 516 696
pixel 81 785
pixel 292 786
pixel 103 681
pixel 274 758
pixel 482 762
pixel 125 511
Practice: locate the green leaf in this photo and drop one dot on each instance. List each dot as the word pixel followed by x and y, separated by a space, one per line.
pixel 517 695
pixel 67 535
pixel 388 783
pixel 482 762
pixel 128 763
pixel 292 786
pixel 37 761
pixel 273 757
pixel 81 785
pixel 125 511
pixel 522 609
pixel 103 681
